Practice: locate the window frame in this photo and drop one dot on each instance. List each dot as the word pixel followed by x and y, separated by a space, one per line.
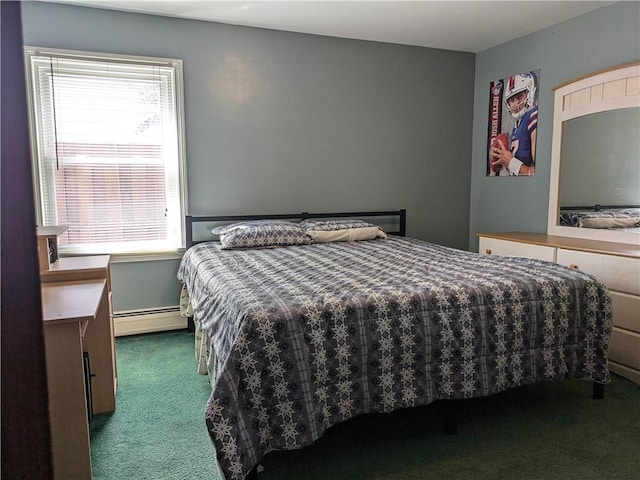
pixel 177 65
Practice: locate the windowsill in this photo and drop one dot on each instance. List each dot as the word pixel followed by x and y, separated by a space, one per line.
pixel 138 257
pixel 145 257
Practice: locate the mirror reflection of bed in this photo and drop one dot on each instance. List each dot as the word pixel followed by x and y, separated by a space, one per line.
pixel 624 218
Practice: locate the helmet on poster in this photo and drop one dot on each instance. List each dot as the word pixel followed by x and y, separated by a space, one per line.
pixel 523 82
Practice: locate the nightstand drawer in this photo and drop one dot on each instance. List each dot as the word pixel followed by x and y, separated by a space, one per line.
pixel 624 348
pixel 618 273
pixel 495 246
pixel 626 311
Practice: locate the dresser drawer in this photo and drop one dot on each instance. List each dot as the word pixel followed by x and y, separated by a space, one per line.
pixel 626 311
pixel 624 348
pixel 494 246
pixel 618 273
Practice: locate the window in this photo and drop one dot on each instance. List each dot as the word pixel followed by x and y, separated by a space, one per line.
pixel 108 150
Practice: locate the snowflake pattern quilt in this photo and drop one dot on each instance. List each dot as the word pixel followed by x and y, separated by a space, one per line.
pixel 309 336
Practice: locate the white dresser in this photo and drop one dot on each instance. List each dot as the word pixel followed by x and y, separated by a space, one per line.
pixel 617 265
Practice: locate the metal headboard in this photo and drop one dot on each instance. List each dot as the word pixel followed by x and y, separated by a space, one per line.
pixel 597 207
pixel 193 219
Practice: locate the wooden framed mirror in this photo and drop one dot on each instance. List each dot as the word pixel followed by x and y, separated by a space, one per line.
pixel 595 157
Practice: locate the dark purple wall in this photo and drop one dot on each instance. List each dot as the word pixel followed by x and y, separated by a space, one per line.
pixel 26 445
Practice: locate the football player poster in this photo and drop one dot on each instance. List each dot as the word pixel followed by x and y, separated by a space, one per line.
pixel 513 122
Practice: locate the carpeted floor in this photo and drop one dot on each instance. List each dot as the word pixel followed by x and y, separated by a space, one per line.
pixel 546 431
pixel 157 431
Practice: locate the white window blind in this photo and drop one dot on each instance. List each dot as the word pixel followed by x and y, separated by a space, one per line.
pixel 108 147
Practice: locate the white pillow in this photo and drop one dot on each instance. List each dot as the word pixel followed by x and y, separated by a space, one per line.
pixel 609 222
pixel 346 235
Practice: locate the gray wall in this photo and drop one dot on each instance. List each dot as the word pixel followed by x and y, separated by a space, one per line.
pixel 285 122
pixel 600 39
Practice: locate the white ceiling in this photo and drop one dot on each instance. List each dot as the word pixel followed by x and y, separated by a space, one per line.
pixel 469 26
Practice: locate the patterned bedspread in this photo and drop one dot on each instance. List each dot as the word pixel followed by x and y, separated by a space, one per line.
pixel 309 336
pixel 625 219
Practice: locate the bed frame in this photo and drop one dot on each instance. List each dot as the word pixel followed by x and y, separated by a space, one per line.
pixel 598 208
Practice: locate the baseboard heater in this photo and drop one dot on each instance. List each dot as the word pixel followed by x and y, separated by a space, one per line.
pixel 134 322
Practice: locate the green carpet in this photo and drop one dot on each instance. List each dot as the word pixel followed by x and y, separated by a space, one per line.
pixel 545 431
pixel 158 430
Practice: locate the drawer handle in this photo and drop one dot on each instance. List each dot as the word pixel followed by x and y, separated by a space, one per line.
pixel 574 266
pixel 488 251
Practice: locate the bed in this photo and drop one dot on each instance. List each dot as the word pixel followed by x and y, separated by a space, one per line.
pixel 302 337
pixel 622 218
